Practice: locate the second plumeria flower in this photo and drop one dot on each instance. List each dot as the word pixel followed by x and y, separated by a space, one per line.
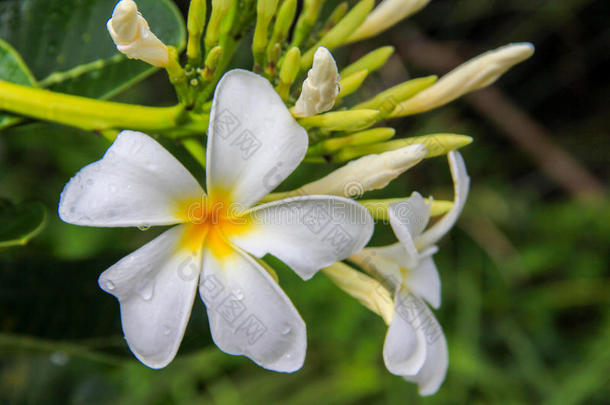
pixel 253 145
pixel 415 346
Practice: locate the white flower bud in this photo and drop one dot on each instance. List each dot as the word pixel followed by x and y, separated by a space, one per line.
pixel 132 36
pixel 385 15
pixel 371 172
pixel 321 87
pixel 470 76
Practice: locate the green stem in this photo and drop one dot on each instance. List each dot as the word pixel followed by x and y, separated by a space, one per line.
pixel 90 114
pixel 196 149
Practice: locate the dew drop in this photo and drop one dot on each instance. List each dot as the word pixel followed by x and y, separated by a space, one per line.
pixel 144 227
pixel 146 290
pixel 109 285
pixel 287 330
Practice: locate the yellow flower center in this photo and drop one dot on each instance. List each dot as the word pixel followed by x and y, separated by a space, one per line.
pixel 211 221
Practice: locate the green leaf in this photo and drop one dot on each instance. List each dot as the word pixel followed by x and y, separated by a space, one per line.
pixel 13 69
pixel 67 46
pixel 20 223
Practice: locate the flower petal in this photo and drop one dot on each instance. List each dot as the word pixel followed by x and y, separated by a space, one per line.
pixel 136 183
pixel 424 280
pixel 408 219
pixel 155 286
pixel 382 261
pixel 308 232
pixel 461 185
pixel 249 313
pixel 253 141
pixel 404 349
pixel 434 370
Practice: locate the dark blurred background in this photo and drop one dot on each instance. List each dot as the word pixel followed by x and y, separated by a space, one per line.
pixel 526 280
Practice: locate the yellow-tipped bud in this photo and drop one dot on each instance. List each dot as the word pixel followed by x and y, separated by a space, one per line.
pixel 379 208
pixel 309 15
pixel 132 36
pixel 351 83
pixel 367 137
pixel 220 8
pixel 195 26
pixel 470 76
pixel 211 63
pixel 320 89
pixel 437 144
pixel 283 22
pixel 338 35
pixel 289 70
pixel 385 15
pixel 371 172
pixel 265 10
pixel 368 291
pixel 334 17
pixel 371 61
pixel 387 100
pixel 353 120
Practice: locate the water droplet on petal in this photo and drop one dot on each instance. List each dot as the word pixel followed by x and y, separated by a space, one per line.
pixel 287 330
pixel 109 285
pixel 144 227
pixel 146 289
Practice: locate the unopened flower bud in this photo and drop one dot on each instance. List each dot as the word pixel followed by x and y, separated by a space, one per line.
pixel 385 15
pixel 321 87
pixel 132 36
pixel 371 172
pixel 470 76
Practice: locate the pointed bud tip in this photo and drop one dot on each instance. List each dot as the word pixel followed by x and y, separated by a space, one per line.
pixel 407 156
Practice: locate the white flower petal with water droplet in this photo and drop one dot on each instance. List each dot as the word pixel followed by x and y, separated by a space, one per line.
pixel 155 286
pixel 136 183
pixel 253 323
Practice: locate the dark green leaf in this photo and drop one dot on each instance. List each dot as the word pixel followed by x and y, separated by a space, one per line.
pixel 67 46
pixel 13 69
pixel 20 223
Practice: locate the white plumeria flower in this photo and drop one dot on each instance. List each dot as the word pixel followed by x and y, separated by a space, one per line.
pixel 253 144
pixel 415 346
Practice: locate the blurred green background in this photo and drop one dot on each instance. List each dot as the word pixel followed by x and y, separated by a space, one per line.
pixel 525 274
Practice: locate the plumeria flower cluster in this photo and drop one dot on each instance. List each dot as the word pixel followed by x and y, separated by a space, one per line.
pixel 260 125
